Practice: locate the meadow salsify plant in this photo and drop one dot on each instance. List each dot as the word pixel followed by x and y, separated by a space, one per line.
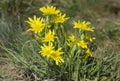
pixel 64 53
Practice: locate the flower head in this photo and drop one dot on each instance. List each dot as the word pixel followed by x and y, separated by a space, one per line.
pixel 37 24
pixel 88 52
pixel 60 18
pixel 49 37
pixel 47 50
pixel 82 44
pixel 56 56
pixel 83 25
pixel 91 39
pixel 70 40
pixel 49 10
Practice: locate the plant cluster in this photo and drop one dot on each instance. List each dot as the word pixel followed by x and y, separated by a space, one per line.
pixel 54 53
pixel 58 47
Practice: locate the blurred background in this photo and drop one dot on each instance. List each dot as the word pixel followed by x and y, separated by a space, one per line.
pixel 104 15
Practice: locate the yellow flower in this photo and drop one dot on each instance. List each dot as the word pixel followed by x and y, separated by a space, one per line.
pixel 70 40
pixel 49 10
pixel 47 50
pixel 72 37
pixel 49 37
pixel 91 39
pixel 56 56
pixel 83 25
pixel 82 44
pixel 37 24
pixel 60 18
pixel 88 52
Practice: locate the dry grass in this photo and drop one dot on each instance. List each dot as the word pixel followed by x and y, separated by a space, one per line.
pixel 9 71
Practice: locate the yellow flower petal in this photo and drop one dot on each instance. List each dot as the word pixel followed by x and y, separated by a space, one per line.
pixel 70 40
pixel 82 44
pixel 88 52
pixel 37 24
pixel 49 10
pixel 47 50
pixel 60 18
pixel 91 39
pixel 56 56
pixel 83 25
pixel 49 37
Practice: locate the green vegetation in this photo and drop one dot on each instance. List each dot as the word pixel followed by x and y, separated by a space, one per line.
pixel 20 47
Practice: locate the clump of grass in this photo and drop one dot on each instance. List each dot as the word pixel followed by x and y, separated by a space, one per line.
pixel 11 35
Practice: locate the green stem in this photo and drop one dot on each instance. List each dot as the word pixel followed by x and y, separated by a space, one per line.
pixel 46 24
